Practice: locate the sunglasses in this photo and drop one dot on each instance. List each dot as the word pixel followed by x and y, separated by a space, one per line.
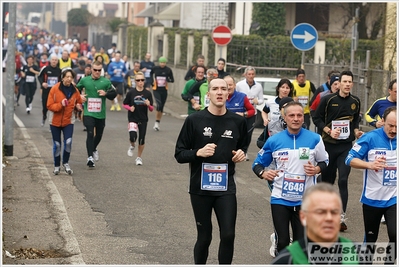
pixel 140 80
pixel 97 70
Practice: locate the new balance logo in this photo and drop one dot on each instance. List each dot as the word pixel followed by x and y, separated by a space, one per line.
pixel 227 134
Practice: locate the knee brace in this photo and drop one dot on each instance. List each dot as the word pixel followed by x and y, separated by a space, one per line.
pixel 57 148
pixel 68 145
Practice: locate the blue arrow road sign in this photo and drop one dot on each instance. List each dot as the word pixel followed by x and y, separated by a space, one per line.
pixel 304 36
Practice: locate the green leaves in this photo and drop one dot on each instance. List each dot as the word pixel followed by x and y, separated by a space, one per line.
pixel 79 17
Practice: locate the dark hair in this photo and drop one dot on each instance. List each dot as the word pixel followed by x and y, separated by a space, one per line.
pixel 96 57
pixel 222 59
pixel 196 67
pixel 300 71
pixel 136 62
pixel 391 84
pixel 64 71
pixel 88 66
pixel 387 111
pixel 332 72
pixel 285 81
pixel 347 73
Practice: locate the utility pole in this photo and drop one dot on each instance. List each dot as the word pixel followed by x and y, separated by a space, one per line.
pixel 355 37
pixel 8 90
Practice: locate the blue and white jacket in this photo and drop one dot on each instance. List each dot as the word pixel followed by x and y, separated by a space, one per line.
pixel 288 153
pixel 379 187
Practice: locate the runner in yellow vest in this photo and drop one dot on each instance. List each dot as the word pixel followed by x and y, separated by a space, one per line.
pixel 303 92
pixel 65 61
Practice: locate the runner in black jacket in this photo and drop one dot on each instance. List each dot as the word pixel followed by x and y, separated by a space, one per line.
pixel 212 141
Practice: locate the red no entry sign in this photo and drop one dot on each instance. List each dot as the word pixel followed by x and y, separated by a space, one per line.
pixel 221 35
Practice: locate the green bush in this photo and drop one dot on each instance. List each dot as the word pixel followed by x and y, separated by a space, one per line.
pixel 137 42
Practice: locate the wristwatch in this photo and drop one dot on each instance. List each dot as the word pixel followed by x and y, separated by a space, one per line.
pixel 260 174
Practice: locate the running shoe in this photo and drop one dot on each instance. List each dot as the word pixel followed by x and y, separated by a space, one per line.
pixel 139 161
pixel 130 151
pixel 28 110
pixel 156 126
pixel 67 169
pixel 343 224
pixel 118 107
pixel 272 249
pixel 383 220
pixel 56 170
pixel 90 162
pixel 112 108
pixel 96 156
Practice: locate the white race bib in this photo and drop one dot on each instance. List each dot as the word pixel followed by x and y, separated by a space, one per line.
pixel 161 81
pixel 30 79
pixel 344 126
pixel 94 104
pixel 132 127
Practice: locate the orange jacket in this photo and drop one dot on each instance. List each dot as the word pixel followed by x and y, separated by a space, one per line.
pixel 61 116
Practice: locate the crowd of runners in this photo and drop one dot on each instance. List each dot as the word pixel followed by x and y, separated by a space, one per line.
pixel 76 79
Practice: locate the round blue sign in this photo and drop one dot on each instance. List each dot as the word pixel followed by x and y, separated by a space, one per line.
pixel 304 36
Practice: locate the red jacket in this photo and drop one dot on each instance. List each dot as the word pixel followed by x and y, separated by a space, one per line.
pixel 61 116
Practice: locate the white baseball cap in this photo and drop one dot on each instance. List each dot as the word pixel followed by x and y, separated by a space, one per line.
pixel 62 42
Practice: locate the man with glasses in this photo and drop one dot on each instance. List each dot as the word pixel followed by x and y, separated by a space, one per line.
pixel 320 215
pixel 294 158
pixel 138 101
pixel 375 153
pixel 97 88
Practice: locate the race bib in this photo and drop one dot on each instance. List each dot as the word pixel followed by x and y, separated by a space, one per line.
pixel 94 104
pixel 293 186
pixel 344 126
pixel 389 175
pixel 132 127
pixel 30 79
pixel 196 99
pixel 214 177
pixel 207 101
pixel 51 81
pixel 303 100
pixel 118 73
pixel 161 81
pixel 147 73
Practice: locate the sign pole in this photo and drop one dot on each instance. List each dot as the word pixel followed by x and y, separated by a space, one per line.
pixel 304 37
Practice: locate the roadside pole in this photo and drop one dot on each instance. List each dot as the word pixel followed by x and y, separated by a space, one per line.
pixel 8 90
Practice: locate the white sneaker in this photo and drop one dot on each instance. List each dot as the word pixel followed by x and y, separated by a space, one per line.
pixel 56 170
pixel 130 151
pixel 96 156
pixel 28 110
pixel 68 169
pixel 139 161
pixel 156 126
pixel 272 249
pixel 383 220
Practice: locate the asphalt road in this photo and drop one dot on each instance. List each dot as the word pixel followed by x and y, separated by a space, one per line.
pixel 127 214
